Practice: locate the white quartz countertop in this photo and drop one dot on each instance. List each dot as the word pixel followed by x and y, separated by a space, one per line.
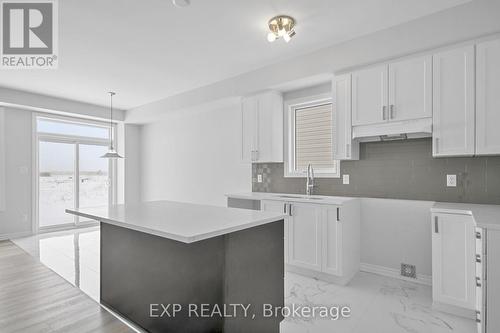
pixel 485 216
pixel 317 199
pixel 182 222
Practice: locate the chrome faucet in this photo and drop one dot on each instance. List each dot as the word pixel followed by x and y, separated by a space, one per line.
pixel 310 180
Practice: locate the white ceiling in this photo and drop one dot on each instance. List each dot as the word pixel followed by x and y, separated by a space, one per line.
pixel 148 50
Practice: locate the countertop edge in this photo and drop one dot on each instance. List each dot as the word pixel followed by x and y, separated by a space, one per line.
pixel 274 197
pixel 470 210
pixel 183 239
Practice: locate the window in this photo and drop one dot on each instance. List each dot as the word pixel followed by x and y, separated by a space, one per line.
pixel 71 172
pixel 310 138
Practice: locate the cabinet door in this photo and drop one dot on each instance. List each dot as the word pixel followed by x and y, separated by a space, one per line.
pixel 278 207
pixel 488 98
pixel 453 268
pixel 344 147
pixel 305 236
pixel 249 107
pixel 332 241
pixel 369 96
pixel 453 102
pixel 410 89
pixel 270 127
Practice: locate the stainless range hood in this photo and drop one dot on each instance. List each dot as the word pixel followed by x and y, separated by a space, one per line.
pixel 399 130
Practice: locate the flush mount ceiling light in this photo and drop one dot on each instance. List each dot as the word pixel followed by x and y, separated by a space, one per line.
pixel 181 3
pixel 112 153
pixel 281 26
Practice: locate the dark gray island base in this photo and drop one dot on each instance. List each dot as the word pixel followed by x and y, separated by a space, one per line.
pixel 141 272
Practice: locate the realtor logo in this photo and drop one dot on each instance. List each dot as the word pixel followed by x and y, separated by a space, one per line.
pixel 29 34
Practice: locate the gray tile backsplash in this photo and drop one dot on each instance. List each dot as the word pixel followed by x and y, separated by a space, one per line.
pixel 400 170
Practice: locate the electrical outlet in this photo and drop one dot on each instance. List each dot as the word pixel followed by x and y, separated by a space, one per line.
pixel 345 179
pixel 451 180
pixel 259 178
pixel 408 270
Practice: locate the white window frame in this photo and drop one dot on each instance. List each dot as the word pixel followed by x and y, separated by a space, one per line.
pixel 76 140
pixel 290 107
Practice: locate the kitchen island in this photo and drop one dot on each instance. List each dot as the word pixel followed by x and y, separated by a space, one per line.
pixel 179 267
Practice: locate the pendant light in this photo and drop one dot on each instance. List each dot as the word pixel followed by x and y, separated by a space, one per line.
pixel 112 153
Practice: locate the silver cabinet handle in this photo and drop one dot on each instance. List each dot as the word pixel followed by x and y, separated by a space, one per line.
pixel 289 209
pixel 391 116
pixel 338 214
pixel 436 225
pixel 284 208
pixel 384 109
pixel 478 282
pixel 254 155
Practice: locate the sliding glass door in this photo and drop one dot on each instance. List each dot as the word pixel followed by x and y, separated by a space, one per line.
pixel 71 172
pixel 56 183
pixel 93 176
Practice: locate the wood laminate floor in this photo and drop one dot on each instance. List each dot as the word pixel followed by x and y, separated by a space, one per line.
pixel 34 299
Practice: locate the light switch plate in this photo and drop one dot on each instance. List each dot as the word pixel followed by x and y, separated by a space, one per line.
pixel 451 180
pixel 259 178
pixel 345 179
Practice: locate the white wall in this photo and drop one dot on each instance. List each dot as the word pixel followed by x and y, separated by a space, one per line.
pixel 395 232
pixel 2 159
pixel 194 156
pixel 132 181
pixel 43 103
pixel 16 219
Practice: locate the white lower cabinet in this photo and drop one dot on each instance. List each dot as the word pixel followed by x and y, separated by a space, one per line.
pixel 332 240
pixel 453 262
pixel 278 207
pixel 320 240
pixel 304 244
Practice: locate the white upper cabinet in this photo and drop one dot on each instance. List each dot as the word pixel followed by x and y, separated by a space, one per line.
pixel 410 89
pixel 454 102
pixel 344 147
pixel 262 128
pixel 369 95
pixel 249 107
pixel 488 98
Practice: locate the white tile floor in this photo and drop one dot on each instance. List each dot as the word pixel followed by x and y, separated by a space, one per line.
pixel 378 304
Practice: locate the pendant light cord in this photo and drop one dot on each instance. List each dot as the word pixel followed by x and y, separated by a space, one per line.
pixel 111 119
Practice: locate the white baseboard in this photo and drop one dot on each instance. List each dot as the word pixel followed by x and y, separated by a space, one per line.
pixel 15 235
pixel 342 281
pixel 394 273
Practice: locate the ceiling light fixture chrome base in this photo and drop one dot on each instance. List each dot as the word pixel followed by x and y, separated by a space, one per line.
pixel 281 26
pixel 181 3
